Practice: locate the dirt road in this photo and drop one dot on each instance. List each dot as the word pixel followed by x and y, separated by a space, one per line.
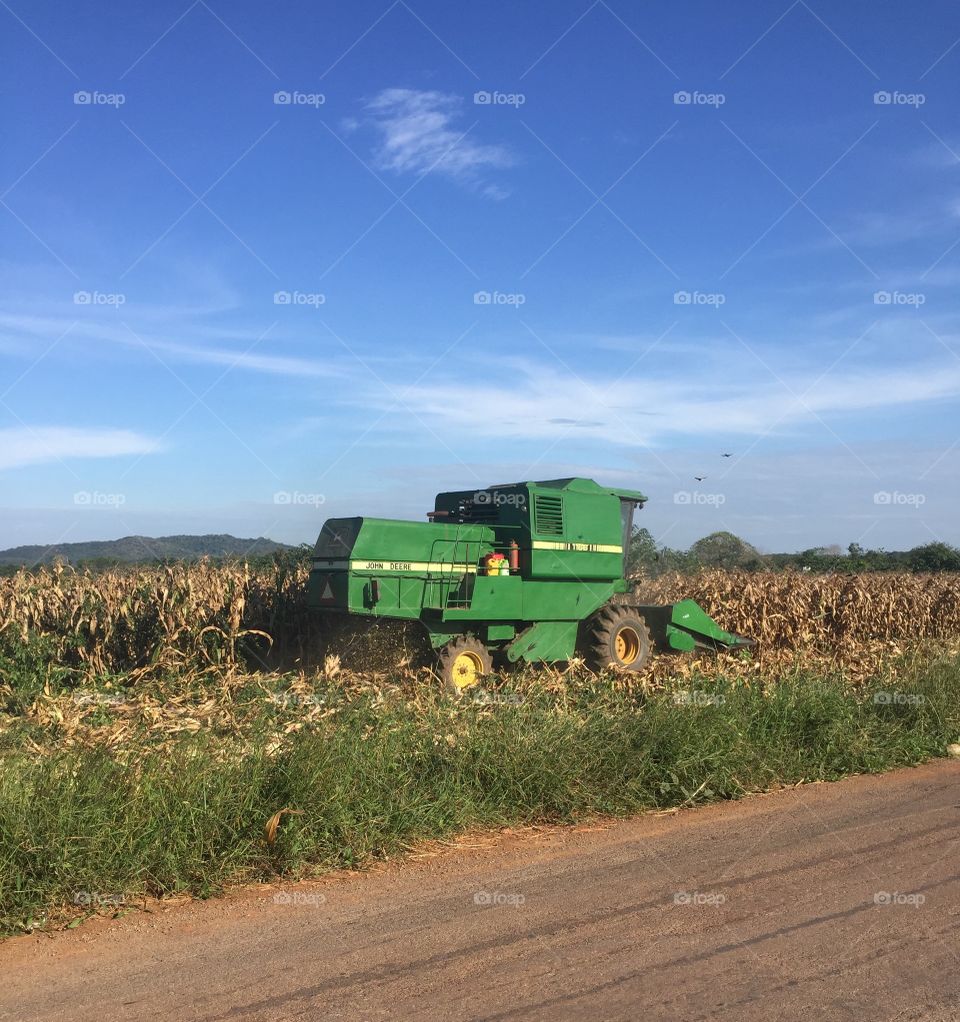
pixel 833 901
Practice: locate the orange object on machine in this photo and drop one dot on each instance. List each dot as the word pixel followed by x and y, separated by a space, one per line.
pixel 514 555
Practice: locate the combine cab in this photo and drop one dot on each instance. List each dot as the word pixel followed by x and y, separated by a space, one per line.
pixel 530 571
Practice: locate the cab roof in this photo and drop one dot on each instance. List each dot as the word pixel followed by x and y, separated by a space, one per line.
pixel 577 484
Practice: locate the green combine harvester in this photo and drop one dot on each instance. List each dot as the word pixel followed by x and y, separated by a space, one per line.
pixel 533 572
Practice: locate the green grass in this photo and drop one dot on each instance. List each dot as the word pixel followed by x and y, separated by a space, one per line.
pixel 375 777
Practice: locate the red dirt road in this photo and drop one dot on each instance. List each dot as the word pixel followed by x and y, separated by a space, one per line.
pixel 824 902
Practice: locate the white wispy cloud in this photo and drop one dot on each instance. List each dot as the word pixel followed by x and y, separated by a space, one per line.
pixel 254 356
pixel 536 402
pixel 277 365
pixel 877 229
pixel 423 131
pixel 938 153
pixel 23 445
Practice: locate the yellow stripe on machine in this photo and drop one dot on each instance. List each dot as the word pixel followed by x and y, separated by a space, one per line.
pixel 412 566
pixel 590 548
pixel 446 568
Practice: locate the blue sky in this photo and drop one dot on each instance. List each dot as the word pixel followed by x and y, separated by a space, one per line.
pixel 265 264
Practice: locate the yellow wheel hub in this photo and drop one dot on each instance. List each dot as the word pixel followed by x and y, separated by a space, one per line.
pixel 467 669
pixel 627 645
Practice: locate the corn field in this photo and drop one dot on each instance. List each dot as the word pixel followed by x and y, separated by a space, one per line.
pixel 795 610
pixel 140 621
pixel 151 619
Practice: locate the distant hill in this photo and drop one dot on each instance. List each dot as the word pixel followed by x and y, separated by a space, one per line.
pixel 134 549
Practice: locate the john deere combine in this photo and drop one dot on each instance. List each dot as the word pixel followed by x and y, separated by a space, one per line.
pixel 530 571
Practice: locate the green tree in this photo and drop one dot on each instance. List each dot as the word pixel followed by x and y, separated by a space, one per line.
pixel 725 550
pixel 934 557
pixel 643 554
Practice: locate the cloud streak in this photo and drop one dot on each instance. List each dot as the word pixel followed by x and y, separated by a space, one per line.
pixel 419 135
pixel 645 410
pixel 21 446
pixel 253 358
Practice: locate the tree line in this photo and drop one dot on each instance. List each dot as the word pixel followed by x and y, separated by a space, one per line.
pixel 725 550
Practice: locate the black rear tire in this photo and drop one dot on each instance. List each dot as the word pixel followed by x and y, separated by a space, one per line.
pixel 618 639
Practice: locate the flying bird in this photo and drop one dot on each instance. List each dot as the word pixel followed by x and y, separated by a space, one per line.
pixel 726 455
pixel 699 479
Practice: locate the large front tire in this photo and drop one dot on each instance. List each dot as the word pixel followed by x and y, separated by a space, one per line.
pixel 618 640
pixel 463 663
